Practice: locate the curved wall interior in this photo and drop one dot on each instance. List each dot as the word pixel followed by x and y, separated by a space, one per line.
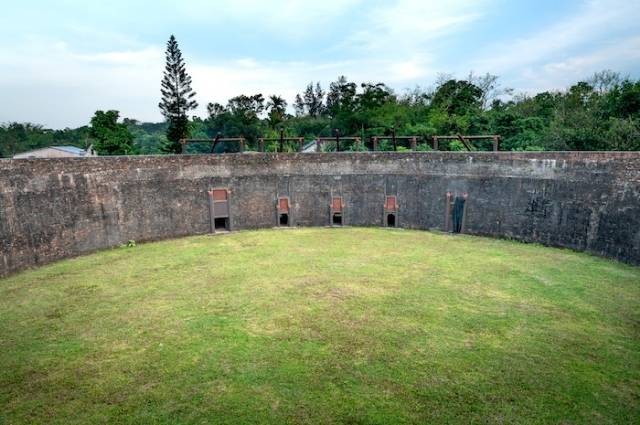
pixel 56 208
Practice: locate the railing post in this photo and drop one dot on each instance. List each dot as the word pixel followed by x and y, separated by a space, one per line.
pixel 281 141
pixel 447 214
pixel 413 144
pixel 393 137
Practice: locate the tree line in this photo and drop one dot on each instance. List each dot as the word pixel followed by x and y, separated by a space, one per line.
pixel 602 113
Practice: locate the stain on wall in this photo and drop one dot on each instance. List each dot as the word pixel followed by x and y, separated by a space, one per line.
pixel 56 208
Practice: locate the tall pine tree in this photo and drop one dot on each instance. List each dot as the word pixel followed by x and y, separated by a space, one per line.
pixel 177 97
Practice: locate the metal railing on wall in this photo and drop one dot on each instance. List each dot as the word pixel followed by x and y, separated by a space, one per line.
pixel 339 142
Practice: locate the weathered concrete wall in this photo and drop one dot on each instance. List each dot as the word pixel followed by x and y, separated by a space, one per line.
pixel 55 208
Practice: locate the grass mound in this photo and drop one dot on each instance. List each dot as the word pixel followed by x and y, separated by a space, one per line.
pixel 322 326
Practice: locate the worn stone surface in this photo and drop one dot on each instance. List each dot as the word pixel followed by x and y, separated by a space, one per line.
pixel 55 208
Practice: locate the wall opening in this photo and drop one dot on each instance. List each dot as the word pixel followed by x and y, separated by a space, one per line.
pixel 219 209
pixel 391 220
pixel 337 204
pixel 221 224
pixel 457 214
pixel 282 210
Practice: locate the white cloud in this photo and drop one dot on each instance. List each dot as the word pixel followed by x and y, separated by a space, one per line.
pixel 128 58
pixel 290 18
pixel 558 43
pixel 406 26
pixel 622 55
pixel 408 70
pixel 402 39
pixel 50 83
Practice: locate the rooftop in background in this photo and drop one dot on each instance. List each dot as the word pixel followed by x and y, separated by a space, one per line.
pixel 57 152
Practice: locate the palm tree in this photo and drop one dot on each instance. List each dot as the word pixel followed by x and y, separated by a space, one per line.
pixel 277 108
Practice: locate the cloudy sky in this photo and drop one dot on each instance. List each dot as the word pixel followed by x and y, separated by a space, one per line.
pixel 61 60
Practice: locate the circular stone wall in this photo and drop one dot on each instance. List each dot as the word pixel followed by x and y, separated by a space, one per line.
pixel 54 208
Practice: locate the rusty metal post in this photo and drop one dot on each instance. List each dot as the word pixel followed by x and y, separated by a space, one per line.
pixel 465 142
pixel 374 141
pixel 435 143
pixel 337 140
pixel 281 140
pixel 261 144
pixel 496 143
pixel 447 214
pixel 183 145
pixel 357 143
pixel 241 144
pixel 215 143
pixel 413 144
pixel 300 144
pixel 393 136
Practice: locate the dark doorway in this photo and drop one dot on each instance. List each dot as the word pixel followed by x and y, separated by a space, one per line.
pixel 391 220
pixel 337 220
pixel 457 215
pixel 284 220
pixel 221 223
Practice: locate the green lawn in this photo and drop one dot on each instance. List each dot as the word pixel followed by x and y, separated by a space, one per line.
pixel 362 326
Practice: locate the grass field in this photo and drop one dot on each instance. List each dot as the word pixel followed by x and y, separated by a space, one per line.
pixel 361 326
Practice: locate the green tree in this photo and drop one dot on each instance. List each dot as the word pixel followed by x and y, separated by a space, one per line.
pixel 148 137
pixel 177 97
pixel 311 102
pixel 109 136
pixel 341 98
pixel 298 106
pixel 458 97
pixel 277 110
pixel 624 134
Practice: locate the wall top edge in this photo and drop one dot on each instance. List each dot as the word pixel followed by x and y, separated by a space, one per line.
pixel 323 156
